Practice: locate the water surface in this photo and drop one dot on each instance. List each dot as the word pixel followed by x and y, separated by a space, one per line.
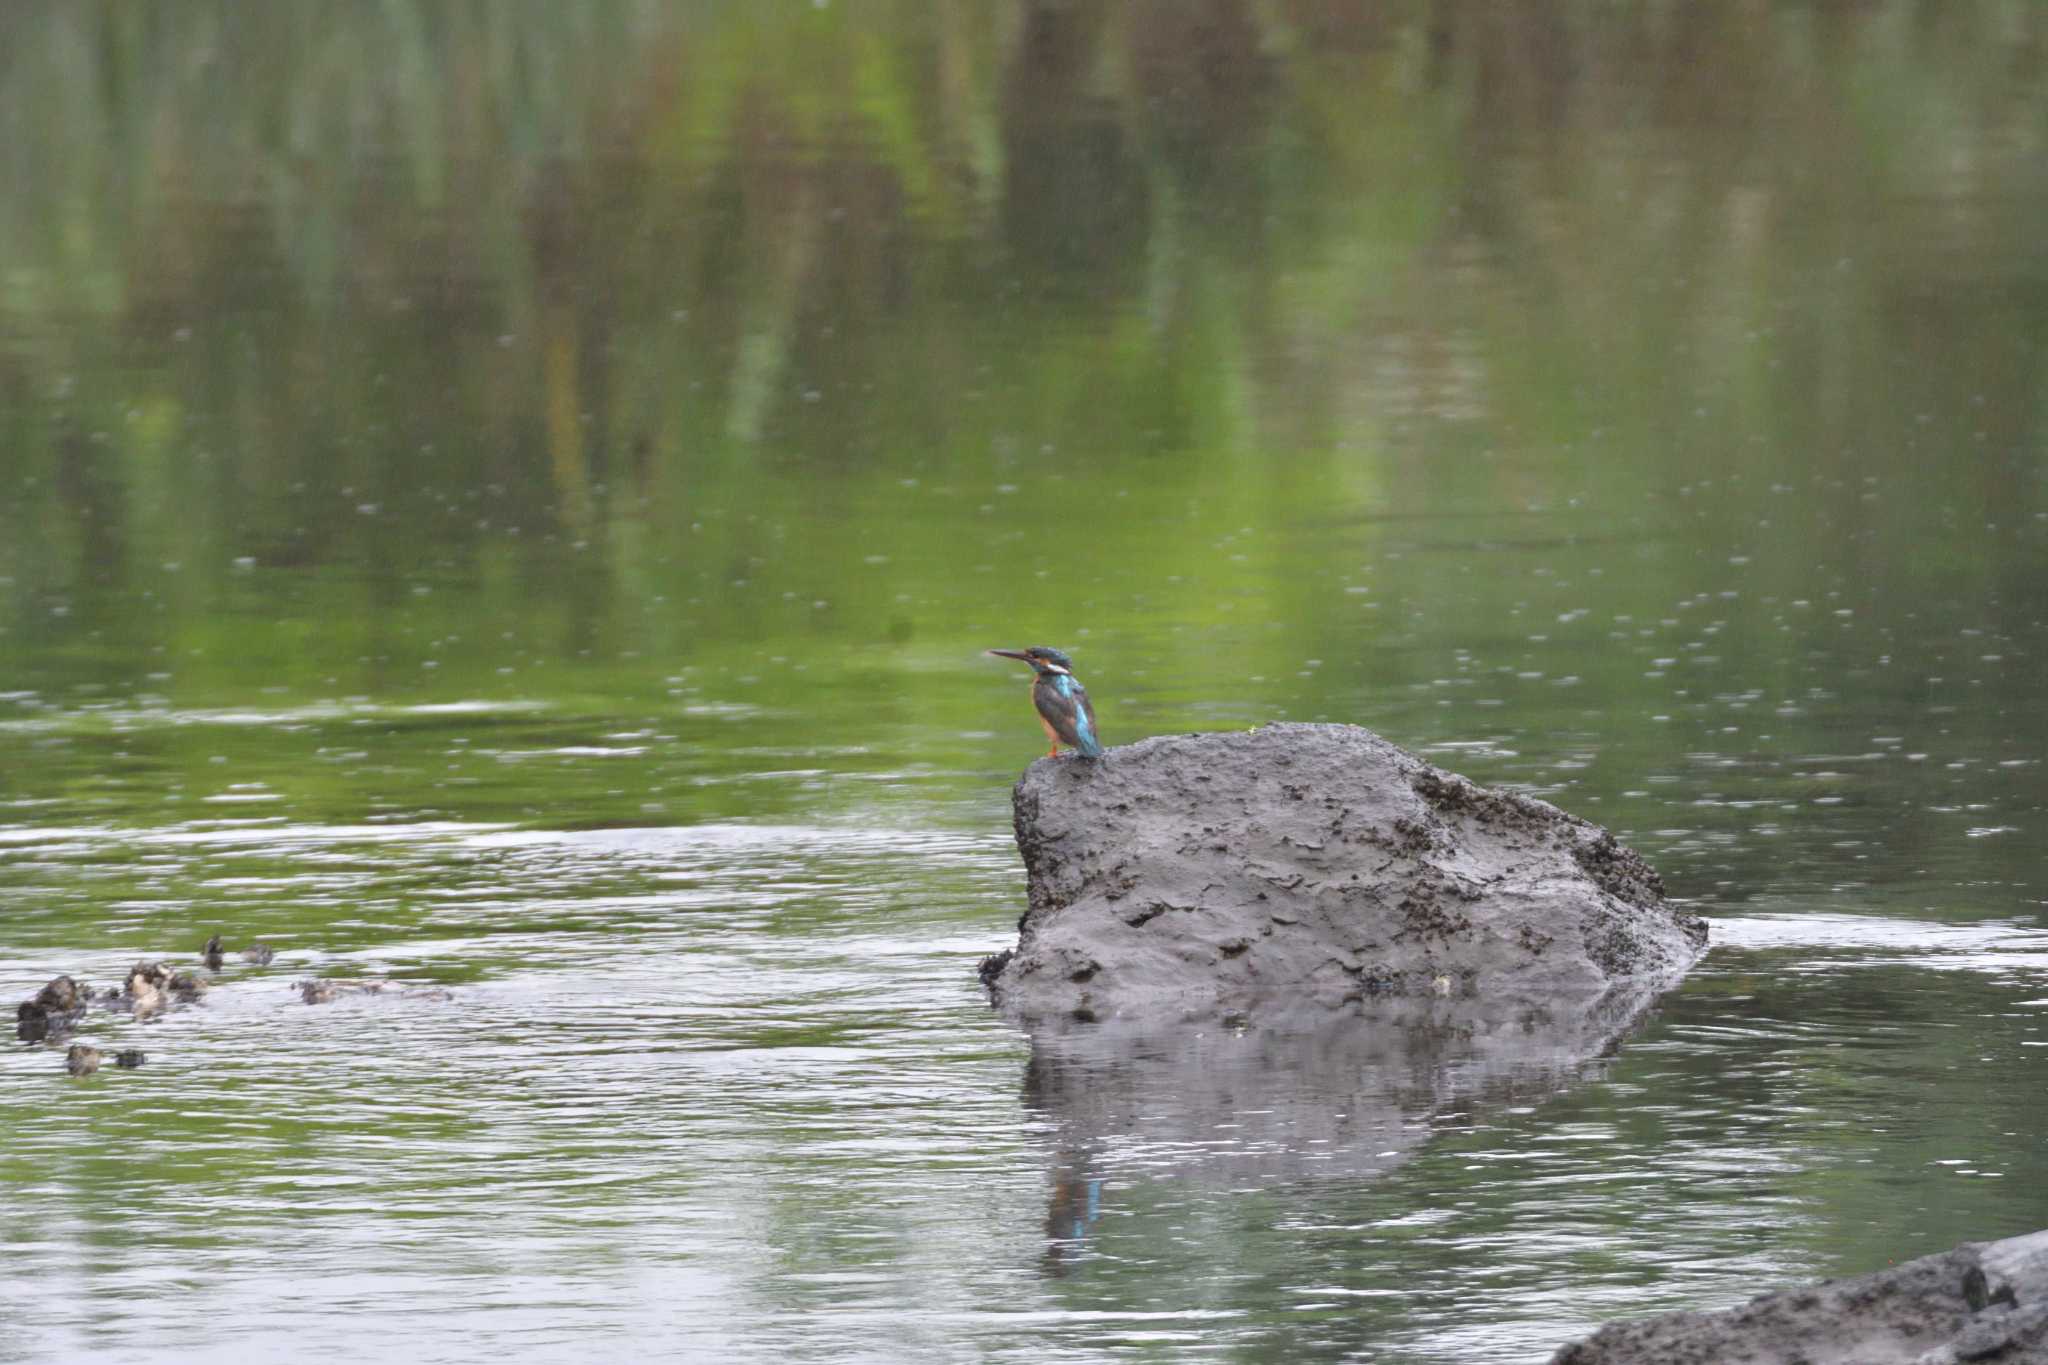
pixel 512 502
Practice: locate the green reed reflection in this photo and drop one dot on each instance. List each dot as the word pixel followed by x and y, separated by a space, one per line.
pixel 1607 369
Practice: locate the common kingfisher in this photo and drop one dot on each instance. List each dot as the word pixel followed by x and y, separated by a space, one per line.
pixel 1063 706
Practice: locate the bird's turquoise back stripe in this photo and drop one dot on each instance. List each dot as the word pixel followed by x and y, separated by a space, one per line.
pixel 1081 726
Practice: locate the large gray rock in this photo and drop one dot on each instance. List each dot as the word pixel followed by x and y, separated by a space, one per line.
pixel 1983 1301
pixel 1303 867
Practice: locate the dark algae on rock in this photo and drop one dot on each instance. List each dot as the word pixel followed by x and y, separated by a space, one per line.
pixel 1314 866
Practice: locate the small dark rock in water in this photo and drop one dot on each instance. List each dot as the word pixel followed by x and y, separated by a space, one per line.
pixel 130 1057
pixel 143 988
pixel 82 1060
pixel 320 992
pixel 31 1022
pixel 61 996
pixel 258 953
pixel 150 986
pixel 53 1009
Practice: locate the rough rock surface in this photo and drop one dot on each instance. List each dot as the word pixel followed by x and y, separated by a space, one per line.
pixel 1295 866
pixel 1983 1301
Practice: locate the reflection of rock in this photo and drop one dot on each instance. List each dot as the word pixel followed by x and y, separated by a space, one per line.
pixel 328 989
pixel 1983 1301
pixel 1319 1094
pixel 1229 874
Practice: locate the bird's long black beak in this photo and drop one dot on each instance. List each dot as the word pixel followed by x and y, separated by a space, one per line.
pixel 1011 654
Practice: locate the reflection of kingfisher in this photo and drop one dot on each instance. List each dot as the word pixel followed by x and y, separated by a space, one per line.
pixel 1063 706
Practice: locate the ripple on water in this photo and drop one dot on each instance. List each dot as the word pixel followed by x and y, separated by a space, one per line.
pixel 1831 940
pixel 616 1081
pixel 748 1064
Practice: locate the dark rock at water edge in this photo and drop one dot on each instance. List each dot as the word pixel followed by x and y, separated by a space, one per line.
pixel 1982 1301
pixel 1306 867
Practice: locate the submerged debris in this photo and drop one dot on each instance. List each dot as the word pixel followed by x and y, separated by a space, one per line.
pixel 326 989
pixel 259 953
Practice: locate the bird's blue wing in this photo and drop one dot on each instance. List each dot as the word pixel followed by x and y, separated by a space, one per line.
pixel 1065 705
pixel 1084 723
